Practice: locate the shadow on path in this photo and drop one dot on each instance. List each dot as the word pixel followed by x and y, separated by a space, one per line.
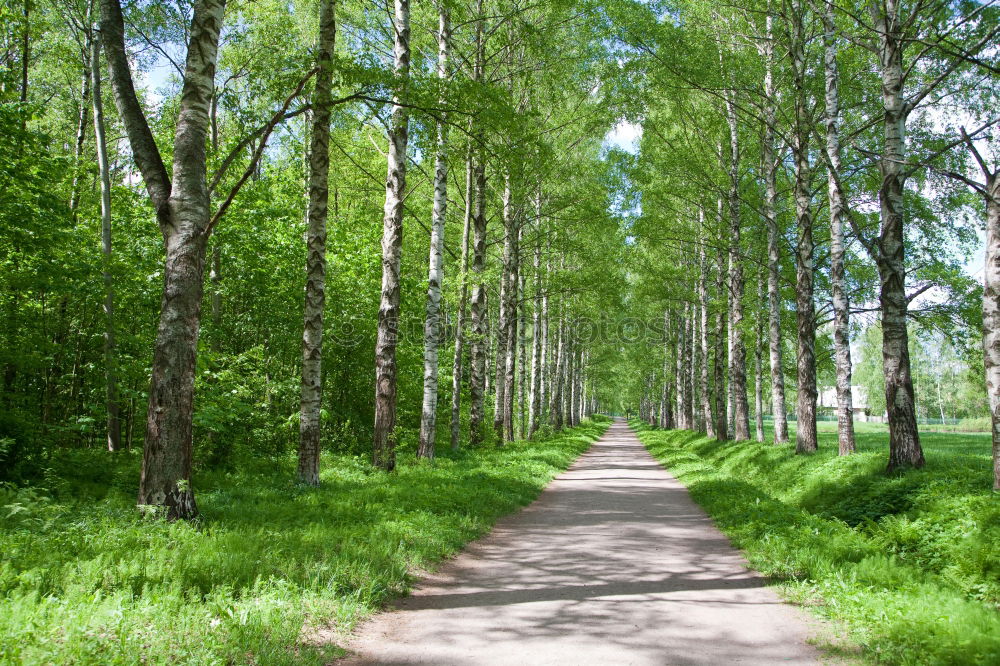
pixel 613 564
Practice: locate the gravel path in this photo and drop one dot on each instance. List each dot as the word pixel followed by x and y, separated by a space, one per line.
pixel 613 564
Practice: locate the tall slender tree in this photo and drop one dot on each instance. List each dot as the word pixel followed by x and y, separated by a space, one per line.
pixel 432 318
pixel 111 399
pixel 841 303
pixel 384 453
pixel 316 216
pixel 805 432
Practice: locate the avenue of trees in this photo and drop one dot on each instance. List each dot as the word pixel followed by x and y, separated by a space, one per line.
pixel 256 228
pixel 809 170
pixel 210 181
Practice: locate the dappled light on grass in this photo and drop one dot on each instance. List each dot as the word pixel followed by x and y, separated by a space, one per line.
pixel 270 565
pixel 910 562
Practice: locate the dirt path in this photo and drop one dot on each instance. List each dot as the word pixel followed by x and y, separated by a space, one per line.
pixel 614 564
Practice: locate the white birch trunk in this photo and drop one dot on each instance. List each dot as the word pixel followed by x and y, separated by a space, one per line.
pixel 805 431
pixel 738 365
pixel 841 304
pixel 721 337
pixel 522 353
pixel 904 438
pixel 991 313
pixel 384 448
pixel 432 320
pixel 555 393
pixel 773 248
pixel 311 388
pixel 758 367
pixel 708 418
pixel 111 400
pixel 456 376
pixel 679 371
pixel 535 400
pixel 666 406
pixel 182 204
pixel 479 313
pixel 504 329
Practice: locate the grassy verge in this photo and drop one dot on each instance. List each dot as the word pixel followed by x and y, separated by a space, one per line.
pixel 84 579
pixel 909 563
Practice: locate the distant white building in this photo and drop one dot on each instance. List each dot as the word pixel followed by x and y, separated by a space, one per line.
pixel 859 403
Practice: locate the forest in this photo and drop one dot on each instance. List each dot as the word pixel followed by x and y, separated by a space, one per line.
pixel 301 297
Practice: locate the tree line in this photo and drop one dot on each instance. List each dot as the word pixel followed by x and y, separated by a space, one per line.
pixel 191 192
pixel 807 164
pixel 263 170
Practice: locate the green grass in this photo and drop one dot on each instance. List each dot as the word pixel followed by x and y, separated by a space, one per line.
pixel 84 579
pixel 909 563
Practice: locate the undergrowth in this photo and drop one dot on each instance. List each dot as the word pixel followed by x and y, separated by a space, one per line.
pixel 909 562
pixel 85 579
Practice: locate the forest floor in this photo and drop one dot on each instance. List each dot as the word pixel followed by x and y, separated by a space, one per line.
pixel 613 564
pixel 906 565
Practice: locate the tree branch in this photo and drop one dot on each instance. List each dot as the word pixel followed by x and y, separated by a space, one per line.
pixel 258 152
pixel 144 150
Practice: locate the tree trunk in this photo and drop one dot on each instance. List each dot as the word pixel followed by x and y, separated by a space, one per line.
pixel 721 428
pixel 758 363
pixel 569 393
pixel 316 217
pixel 773 247
pixel 90 62
pixel 679 372
pixel 456 374
pixel 522 352
pixel 694 341
pixel 706 394
pixel 555 400
pixel 738 364
pixel 805 432
pixel 841 305
pixel 545 363
pixel 991 314
pixel 510 354
pixel 384 448
pixel 537 358
pixel 904 438
pixel 503 319
pixel 183 212
pixel 432 322
pixel 730 404
pixel 479 341
pixel 578 383
pixel 688 379
pixel 491 338
pixel 111 400
pixel 666 407
pixel 566 375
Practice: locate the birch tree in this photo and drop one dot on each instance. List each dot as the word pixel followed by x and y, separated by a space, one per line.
pixel 111 396
pixel 384 455
pixel 770 169
pixel 841 302
pixel 317 214
pixel 805 308
pixel 181 202
pixel 432 320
